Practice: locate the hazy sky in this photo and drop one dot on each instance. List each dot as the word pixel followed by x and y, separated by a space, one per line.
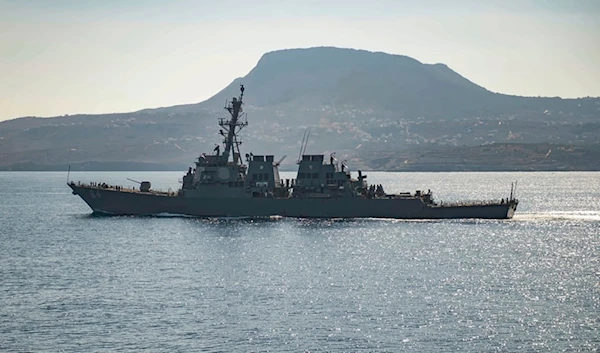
pixel 81 56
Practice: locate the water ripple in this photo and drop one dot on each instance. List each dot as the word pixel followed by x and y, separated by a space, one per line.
pixel 72 282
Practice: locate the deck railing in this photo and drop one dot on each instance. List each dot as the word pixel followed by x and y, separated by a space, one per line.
pixel 104 186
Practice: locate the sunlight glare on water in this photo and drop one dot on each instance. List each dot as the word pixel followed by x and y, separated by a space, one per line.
pixel 73 282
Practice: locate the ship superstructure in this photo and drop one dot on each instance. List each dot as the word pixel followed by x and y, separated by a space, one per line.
pixel 225 184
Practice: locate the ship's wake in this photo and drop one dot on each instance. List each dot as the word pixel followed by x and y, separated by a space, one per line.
pixel 559 215
pixel 589 216
pixel 220 218
pixel 171 215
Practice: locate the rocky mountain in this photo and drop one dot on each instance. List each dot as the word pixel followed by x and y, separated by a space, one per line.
pixel 356 103
pixel 359 79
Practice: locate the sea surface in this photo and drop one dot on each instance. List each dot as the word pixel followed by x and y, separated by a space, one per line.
pixel 74 282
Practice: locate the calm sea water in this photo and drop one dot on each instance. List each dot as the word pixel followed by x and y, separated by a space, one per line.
pixel 72 282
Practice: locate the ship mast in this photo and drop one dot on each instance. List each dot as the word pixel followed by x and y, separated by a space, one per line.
pixel 230 126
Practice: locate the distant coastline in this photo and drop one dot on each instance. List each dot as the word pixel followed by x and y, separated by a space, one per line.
pixel 376 111
pixel 94 166
pixel 124 166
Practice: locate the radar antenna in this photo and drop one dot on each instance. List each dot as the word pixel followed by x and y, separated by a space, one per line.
pixel 231 127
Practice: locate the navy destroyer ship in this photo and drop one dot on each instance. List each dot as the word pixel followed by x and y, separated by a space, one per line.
pixel 222 184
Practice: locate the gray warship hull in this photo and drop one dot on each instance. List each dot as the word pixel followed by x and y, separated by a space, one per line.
pixel 221 185
pixel 111 201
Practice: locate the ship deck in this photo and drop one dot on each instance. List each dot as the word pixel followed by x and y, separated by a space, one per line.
pixel 439 204
pixel 119 188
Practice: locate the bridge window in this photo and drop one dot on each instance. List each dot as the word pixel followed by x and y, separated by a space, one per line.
pixel 254 177
pixel 315 175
